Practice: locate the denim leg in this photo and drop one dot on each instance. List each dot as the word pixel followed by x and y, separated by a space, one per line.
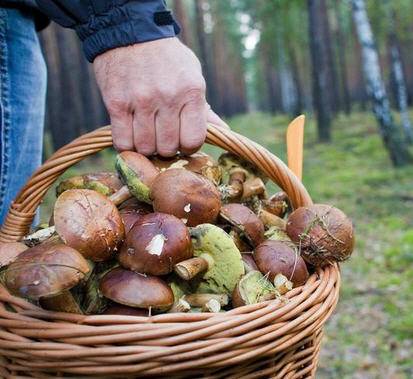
pixel 22 99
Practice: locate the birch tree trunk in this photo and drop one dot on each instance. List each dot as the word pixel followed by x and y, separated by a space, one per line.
pixel 391 134
pixel 320 72
pixel 400 89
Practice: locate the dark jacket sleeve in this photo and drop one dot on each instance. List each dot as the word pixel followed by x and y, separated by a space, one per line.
pixel 106 24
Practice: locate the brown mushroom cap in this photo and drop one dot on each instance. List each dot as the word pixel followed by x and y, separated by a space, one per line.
pixel 136 290
pixel 140 165
pixel 45 270
pixel 123 310
pixel 186 195
pixel 325 233
pixel 9 251
pixel 89 222
pixel 133 213
pixel 103 182
pixel 155 244
pixel 245 221
pixel 280 257
pixel 249 263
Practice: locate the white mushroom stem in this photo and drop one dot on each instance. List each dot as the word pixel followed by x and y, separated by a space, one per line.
pixel 190 268
pixel 180 306
pixel 236 180
pixel 212 306
pixel 39 236
pixel 120 195
pixel 201 299
pixel 282 284
pixel 253 187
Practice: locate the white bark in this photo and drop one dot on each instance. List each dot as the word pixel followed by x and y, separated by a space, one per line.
pixel 401 90
pixel 392 136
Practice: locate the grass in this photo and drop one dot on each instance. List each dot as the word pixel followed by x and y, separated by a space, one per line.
pixel 371 333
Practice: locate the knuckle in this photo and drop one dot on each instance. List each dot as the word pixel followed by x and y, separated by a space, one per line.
pixel 145 100
pixel 117 106
pixel 194 93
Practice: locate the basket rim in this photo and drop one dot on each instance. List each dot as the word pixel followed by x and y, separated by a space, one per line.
pixel 166 343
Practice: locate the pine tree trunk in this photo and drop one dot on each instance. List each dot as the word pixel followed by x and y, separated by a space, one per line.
pixel 320 72
pixel 204 54
pixel 333 82
pixel 299 93
pixel 181 15
pixel 391 134
pixel 341 46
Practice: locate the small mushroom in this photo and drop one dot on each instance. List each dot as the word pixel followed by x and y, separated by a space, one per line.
pixel 155 244
pixel 45 270
pixel 133 213
pixel 282 284
pixel 106 183
pixel 9 251
pixel 199 163
pixel 136 290
pixel 89 222
pixel 280 257
pixel 324 233
pixel 217 265
pixel 253 187
pixel 245 221
pixel 238 176
pixel 123 310
pixel 186 195
pixel 253 288
pixel 138 174
pixel 180 306
pixel 201 299
pixel 277 204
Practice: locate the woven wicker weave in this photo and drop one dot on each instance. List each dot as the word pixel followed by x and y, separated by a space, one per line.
pixel 277 339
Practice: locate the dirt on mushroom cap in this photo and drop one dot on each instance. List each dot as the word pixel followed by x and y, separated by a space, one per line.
pixel 89 222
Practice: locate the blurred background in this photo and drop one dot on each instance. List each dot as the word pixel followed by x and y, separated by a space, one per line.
pixel 348 66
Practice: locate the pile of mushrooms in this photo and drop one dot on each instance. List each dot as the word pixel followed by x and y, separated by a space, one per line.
pixel 184 234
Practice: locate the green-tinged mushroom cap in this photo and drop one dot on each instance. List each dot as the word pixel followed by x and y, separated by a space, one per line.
pixel 225 266
pixel 178 286
pixel 253 288
pixel 138 173
pixel 106 183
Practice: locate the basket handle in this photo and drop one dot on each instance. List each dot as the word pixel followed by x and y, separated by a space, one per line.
pixel 22 210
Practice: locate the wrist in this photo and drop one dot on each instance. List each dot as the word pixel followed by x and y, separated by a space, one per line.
pixel 135 22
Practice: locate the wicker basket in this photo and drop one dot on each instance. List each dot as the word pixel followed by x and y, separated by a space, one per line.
pixel 277 339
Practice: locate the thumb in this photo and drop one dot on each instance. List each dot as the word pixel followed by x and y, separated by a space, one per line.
pixel 213 118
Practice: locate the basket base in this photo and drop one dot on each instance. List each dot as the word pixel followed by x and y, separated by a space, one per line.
pixel 298 362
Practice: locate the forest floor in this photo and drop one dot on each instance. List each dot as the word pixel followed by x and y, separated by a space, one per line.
pixel 370 335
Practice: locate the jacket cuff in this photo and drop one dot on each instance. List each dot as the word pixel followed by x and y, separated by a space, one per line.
pixel 127 24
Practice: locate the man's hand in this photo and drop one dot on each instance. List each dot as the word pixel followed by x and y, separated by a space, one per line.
pixel 155 96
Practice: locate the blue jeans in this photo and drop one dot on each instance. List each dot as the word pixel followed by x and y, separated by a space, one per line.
pixel 22 103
